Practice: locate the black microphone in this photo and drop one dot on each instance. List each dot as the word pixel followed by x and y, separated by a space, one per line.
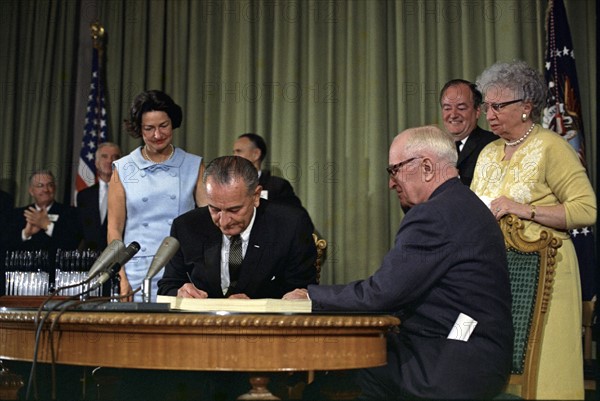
pixel 165 252
pixel 124 257
pixel 107 257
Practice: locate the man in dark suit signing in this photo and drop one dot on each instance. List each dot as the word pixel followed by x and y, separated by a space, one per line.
pixel 461 107
pixel 92 202
pixel 446 278
pixel 239 245
pixel 254 148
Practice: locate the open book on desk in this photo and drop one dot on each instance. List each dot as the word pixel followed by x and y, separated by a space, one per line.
pixel 263 305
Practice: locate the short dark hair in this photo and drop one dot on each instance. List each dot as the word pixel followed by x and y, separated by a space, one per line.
pixel 151 100
pixel 477 96
pixel 258 142
pixel 226 169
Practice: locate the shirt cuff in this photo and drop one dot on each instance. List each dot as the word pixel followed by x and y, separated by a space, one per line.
pixel 23 237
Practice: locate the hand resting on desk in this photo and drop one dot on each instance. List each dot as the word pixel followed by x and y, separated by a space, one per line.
pixel 298 293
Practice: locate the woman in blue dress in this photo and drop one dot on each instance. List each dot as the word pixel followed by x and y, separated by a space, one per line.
pixel 151 186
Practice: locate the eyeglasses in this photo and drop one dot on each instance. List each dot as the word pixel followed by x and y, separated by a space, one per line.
pixel 42 185
pixel 392 169
pixel 496 107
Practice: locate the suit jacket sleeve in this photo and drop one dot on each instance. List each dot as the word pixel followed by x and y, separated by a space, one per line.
pixel 280 190
pixel 287 194
pixel 177 270
pixel 409 269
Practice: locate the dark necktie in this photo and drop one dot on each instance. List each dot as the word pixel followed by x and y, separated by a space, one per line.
pixel 235 259
pixel 458 143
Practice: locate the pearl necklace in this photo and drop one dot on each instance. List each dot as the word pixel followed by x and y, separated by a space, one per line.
pixel 145 154
pixel 521 139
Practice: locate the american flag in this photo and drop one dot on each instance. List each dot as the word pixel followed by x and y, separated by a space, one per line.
pixel 94 130
pixel 563 115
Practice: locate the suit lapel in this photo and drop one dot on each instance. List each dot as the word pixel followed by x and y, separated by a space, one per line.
pixel 470 146
pixel 253 271
pixel 55 209
pixel 467 150
pixel 212 258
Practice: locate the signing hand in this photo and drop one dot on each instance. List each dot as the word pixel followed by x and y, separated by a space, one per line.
pixel 189 290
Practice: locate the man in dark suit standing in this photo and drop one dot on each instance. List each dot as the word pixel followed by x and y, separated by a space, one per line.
pixel 461 107
pixel 276 189
pixel 446 278
pixel 45 224
pixel 239 245
pixel 92 202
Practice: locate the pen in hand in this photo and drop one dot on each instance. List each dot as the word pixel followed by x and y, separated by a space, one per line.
pixel 189 293
pixel 191 281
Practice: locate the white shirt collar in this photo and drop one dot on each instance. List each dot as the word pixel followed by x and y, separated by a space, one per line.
pixel 38 208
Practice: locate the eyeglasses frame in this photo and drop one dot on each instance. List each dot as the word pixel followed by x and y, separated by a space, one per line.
pixel 496 107
pixel 393 169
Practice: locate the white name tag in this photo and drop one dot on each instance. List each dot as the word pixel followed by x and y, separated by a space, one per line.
pixel 463 328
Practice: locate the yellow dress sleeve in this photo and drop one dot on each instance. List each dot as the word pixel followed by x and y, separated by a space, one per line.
pixel 568 180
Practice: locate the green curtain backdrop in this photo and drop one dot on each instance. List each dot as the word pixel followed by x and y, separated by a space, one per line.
pixel 327 83
pixel 38 42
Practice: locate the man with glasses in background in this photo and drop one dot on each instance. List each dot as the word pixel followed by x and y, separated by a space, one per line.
pixel 45 224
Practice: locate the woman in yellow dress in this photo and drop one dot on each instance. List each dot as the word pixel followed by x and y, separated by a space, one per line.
pixel 536 174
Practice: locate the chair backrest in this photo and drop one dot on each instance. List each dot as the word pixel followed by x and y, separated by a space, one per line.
pixel 321 245
pixel 531 267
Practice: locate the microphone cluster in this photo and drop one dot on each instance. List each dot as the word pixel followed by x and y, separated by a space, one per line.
pixel 109 267
pixel 106 266
pixel 116 255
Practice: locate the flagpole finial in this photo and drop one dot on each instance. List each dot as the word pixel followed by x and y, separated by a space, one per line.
pixel 97 33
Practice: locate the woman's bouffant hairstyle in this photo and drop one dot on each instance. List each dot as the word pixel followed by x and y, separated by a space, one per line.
pixel 527 83
pixel 152 100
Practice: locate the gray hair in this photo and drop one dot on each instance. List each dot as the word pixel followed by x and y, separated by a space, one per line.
pixel 430 139
pixel 41 172
pixel 527 83
pixel 225 170
pixel 104 145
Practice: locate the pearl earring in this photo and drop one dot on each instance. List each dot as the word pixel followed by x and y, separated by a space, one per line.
pixel 523 117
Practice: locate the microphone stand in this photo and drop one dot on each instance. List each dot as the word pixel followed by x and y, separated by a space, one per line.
pixel 147 290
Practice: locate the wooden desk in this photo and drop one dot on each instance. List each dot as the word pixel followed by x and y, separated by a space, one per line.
pixel 194 341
